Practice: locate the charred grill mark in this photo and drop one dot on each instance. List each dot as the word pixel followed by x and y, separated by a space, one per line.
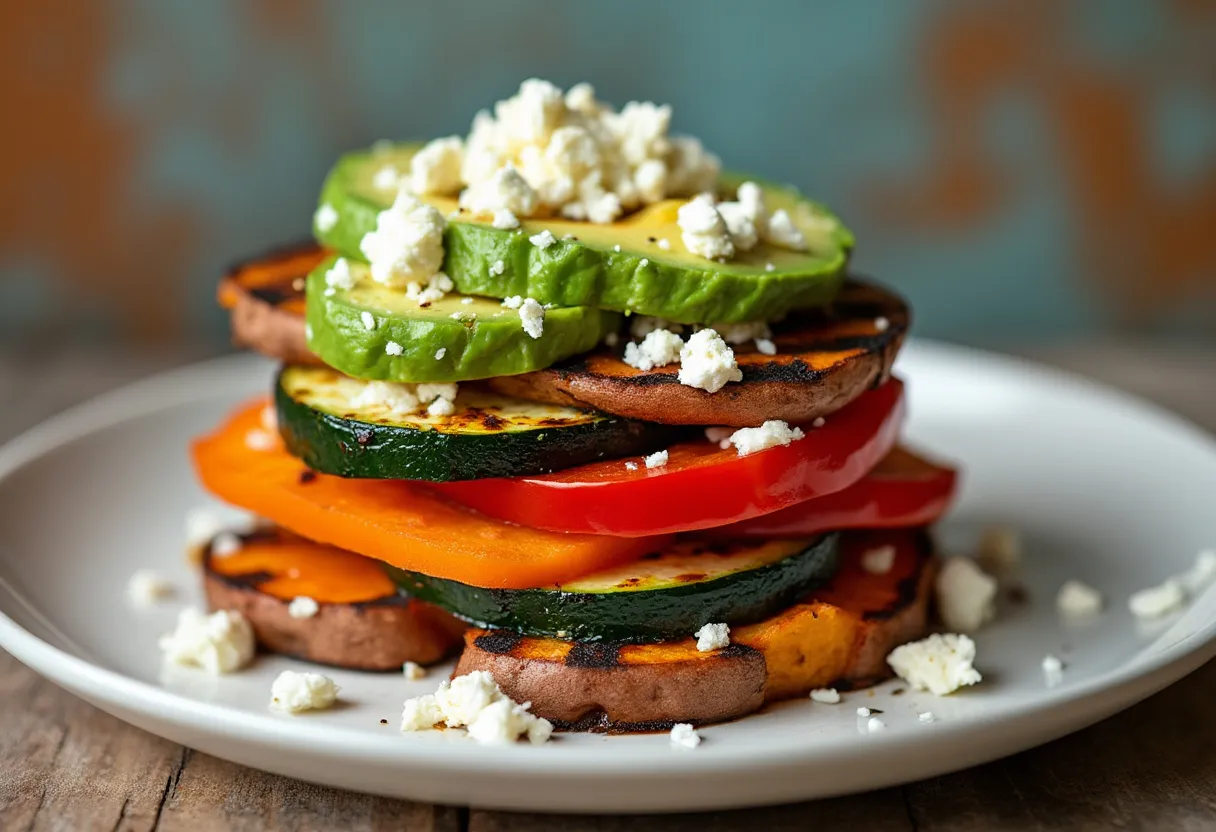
pixel 690 577
pixel 275 294
pixel 491 422
pixel 498 642
pixel 736 651
pixel 247 580
pixel 597 722
pixel 593 654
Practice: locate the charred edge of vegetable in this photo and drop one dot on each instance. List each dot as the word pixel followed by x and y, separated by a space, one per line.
pixel 296 248
pixel 907 590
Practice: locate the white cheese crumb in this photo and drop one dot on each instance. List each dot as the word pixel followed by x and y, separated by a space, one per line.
pixel 368 320
pixel 658 349
pixel 325 218
pixel 999 550
pixel 664 244
pixel 413 672
pixel 863 712
pixel 818 422
pixel 940 664
pixel 879 560
pixel 631 466
pixel 218 643
pixel 464 316
pixel 826 696
pixel 642 325
pixel 769 267
pixel 741 333
pixel 1158 601
pixel 225 544
pixel 1078 600
pixel 707 363
pixel 1053 671
pixel 387 178
pixel 504 220
pixel 684 735
pixel 532 316
pixel 703 230
pixel 497 268
pixel 466 301
pixel 303 607
pixel 882 324
pixel 966 596
pixel 476 702
pixel 772 433
pixel 543 240
pixel 505 190
pixel 513 301
pixel 435 169
pixel 432 289
pixel 926 716
pixel 294 692
pixel 782 231
pixel 617 248
pixel 393 348
pixel 874 725
pixel 643 263
pixel 441 407
pixel 407 243
pixel 764 346
pixel 656 460
pixel 440 353
pixel 397 398
pixel 147 588
pixel 257 439
pixel 720 436
pixel 712 637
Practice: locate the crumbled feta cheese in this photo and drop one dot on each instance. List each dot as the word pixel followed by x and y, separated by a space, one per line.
pixel 874 725
pixel 475 701
pixel 643 263
pixel 1053 671
pixel 879 560
pixel 926 716
pixel 707 363
pixel 1158 601
pixel 818 422
pixel 218 643
pixel 464 316
pixel 712 637
pixel 325 218
pixel 437 390
pixel 393 348
pixel 543 240
pixel 966 596
pixel 999 550
pixel 440 353
pixel 441 407
pixel 407 243
pixel 684 735
pixel 703 230
pixel 782 231
pixel 690 168
pixel 506 190
pixel 147 587
pixel 432 289
pixel 741 225
pixel 513 301
pixel 435 169
pixel 656 460
pixel 225 544
pixel 664 244
pixel 765 347
pixel 743 332
pixel 769 267
pixel 397 398
pixel 642 325
pixel 772 433
pixel 631 466
pixel 497 267
pixel 387 178
pixel 719 436
pixel 940 664
pixel 863 712
pixel 294 692
pixel 617 248
pixel 504 220
pixel 257 439
pixel 1202 575
pixel 658 349
pixel 466 301
pixel 303 607
pixel 825 696
pixel 413 672
pixel 882 324
pixel 368 320
pixel 532 316
pixel 1078 600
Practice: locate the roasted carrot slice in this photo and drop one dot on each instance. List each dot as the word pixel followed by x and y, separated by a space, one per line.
pixel 401 523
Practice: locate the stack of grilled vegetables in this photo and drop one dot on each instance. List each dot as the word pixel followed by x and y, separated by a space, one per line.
pixel 566 447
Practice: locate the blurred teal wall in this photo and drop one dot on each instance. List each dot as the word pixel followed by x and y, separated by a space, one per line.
pixel 1020 169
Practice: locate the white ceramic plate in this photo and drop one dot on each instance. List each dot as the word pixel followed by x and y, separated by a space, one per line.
pixel 1103 488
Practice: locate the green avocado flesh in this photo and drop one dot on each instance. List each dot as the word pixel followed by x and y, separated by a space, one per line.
pixel 489 435
pixel 585 267
pixel 666 595
pixel 487 340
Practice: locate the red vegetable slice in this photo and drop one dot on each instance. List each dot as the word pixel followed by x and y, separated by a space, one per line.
pixel 903 491
pixel 701 486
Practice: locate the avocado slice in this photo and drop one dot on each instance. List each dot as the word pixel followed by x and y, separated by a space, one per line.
pixel 622 266
pixel 448 340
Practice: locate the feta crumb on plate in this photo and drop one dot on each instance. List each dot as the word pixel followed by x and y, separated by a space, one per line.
pixel 772 433
pixel 940 664
pixel 863 712
pixel 413 671
pixel 1053 670
pixel 221 642
pixel 1078 600
pixel 712 637
pixel 147 587
pixel 926 716
pixel 874 725
pixel 656 460
pixel 294 692
pixel 476 702
pixel 303 607
pixel 684 735
pixel 1158 601
pixel 966 596
pixel 826 696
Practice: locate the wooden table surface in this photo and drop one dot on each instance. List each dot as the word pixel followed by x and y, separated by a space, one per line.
pixel 65 765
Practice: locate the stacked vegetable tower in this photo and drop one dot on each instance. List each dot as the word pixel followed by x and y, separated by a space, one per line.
pixel 563 381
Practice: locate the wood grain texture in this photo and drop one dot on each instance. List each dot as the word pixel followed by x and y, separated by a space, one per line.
pixel 64 765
